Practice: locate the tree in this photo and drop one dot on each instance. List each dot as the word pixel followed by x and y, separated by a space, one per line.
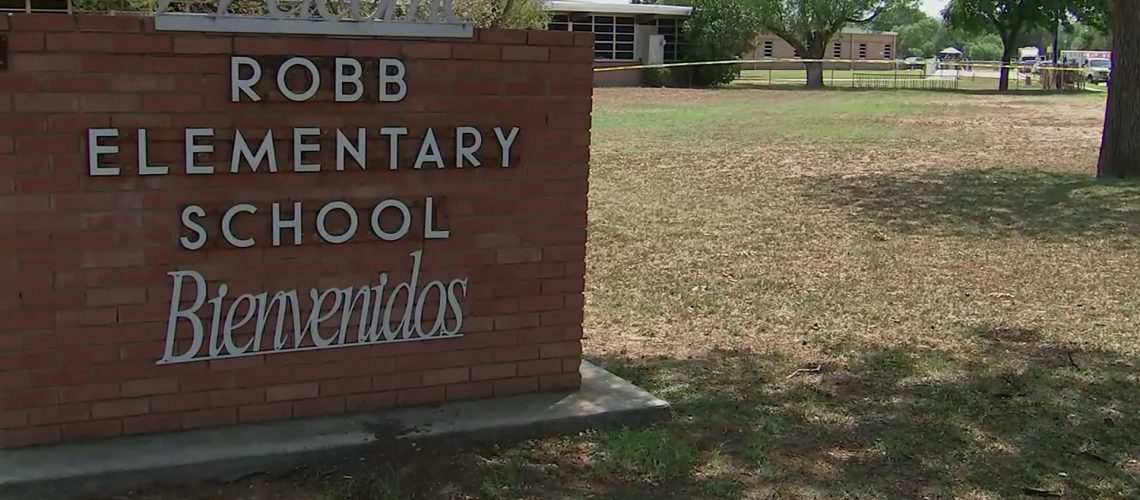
pixel 918 39
pixel 895 16
pixel 718 30
pixel 517 14
pixel 513 14
pixel 1081 36
pixel 1120 147
pixel 810 25
pixel 984 48
pixel 1009 18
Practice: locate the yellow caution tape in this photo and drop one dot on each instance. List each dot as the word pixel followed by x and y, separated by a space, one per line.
pixel 947 66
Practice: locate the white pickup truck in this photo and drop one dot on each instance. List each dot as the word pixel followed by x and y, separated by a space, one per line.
pixel 1095 65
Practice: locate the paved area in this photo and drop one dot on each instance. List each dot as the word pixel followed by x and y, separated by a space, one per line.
pixel 116 465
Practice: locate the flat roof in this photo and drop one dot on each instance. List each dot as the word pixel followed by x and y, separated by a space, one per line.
pixel 863 31
pixel 617 7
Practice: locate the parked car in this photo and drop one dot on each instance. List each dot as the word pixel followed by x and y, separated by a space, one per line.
pixel 914 63
pixel 1098 70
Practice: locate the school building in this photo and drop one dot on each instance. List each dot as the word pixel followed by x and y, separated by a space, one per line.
pixel 628 34
pixel 853 47
pixel 624 34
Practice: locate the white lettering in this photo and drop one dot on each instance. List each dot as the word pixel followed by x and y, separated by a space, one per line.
pixel 343 145
pixel 405 329
pixel 193 148
pixel 429 151
pixel 405 220
pixel 314 79
pixel 94 149
pixel 441 311
pixel 286 301
pixel 372 333
pixel 239 85
pixel 264 152
pixel 200 241
pixel 315 316
pixel 231 325
pixel 349 232
pixel 300 148
pixel 216 302
pixel 430 232
pixel 144 165
pixel 352 297
pixel 467 152
pixel 186 314
pixel 227 219
pixel 350 77
pixel 380 315
pixel 505 143
pixel 393 134
pixel 396 78
pixel 453 303
pixel 294 224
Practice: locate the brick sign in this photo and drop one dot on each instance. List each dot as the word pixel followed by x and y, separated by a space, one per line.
pixel 207 229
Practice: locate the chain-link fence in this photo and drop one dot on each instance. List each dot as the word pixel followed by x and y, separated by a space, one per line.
pixel 886 74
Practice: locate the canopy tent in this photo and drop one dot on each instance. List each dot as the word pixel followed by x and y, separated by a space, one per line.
pixel 950 51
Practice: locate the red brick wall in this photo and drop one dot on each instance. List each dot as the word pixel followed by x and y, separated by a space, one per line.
pixel 85 293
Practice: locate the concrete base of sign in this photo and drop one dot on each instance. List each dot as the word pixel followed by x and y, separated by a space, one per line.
pixel 116 465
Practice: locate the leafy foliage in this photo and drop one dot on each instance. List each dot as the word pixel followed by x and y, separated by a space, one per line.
pixel 518 14
pixel 718 30
pixel 984 48
pixel 896 15
pixel 918 39
pixel 809 25
pixel 1081 36
pixel 1010 19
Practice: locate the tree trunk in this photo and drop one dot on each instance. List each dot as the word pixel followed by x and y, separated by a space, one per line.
pixel 1120 144
pixel 1056 77
pixel 814 75
pixel 815 50
pixel 1009 48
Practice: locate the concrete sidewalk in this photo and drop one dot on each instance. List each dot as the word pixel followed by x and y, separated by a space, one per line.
pixel 107 467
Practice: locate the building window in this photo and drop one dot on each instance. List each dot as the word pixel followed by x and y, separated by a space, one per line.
pixel 862 51
pixel 671 30
pixel 613 36
pixel 769 49
pixel 34 6
pixel 837 50
pixel 559 23
pixel 887 52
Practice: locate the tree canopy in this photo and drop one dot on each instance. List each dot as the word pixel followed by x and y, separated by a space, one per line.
pixel 1010 19
pixel 918 39
pixel 809 25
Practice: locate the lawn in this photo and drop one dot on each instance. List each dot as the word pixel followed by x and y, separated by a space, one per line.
pixel 845 295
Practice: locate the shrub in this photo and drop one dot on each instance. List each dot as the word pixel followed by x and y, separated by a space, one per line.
pixel 719 30
pixel 518 14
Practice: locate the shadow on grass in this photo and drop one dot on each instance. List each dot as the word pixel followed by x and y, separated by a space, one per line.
pixel 1019 417
pixel 1014 415
pixel 1000 202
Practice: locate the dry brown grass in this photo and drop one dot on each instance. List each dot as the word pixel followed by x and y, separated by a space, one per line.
pixel 967 289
